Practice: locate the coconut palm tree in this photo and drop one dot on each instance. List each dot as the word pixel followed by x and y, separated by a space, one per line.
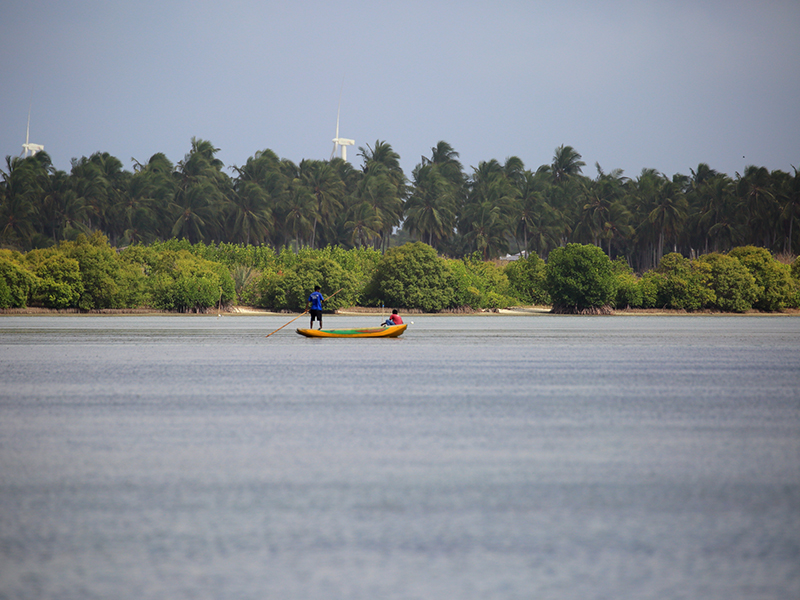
pixel 668 214
pixel 445 158
pixel 249 215
pixel 324 183
pixel 431 208
pixel 487 229
pixel 161 184
pixel 757 199
pixel 21 191
pixel 202 190
pixel 789 196
pixel 490 212
pixel 362 225
pixel 716 199
pixel 566 163
pixel 600 194
pixel 383 187
pixel 297 213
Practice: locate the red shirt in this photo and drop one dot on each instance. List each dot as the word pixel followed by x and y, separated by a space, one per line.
pixel 396 319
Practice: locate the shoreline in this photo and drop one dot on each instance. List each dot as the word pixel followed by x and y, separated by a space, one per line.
pixel 374 312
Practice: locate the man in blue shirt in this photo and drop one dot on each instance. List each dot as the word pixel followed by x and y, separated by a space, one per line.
pixel 315 301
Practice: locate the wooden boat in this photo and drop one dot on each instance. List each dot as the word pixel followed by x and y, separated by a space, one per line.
pixel 363 332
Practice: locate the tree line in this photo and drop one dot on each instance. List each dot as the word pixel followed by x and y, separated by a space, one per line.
pixel 498 208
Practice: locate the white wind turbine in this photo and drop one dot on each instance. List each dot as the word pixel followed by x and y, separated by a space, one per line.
pixel 339 142
pixel 29 149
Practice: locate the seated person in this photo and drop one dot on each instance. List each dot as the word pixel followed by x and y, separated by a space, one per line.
pixel 394 319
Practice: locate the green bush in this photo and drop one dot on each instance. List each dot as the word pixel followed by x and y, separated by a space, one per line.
pixel 734 287
pixel 579 278
pixel 133 286
pixel 480 284
pixel 526 277
pixel 649 284
pixel 289 289
pixel 16 282
pixel 99 267
pixel 412 276
pixel 629 292
pixel 773 279
pixel 183 282
pixel 360 262
pixel 59 283
pixel 683 284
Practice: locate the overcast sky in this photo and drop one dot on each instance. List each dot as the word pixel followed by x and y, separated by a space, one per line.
pixel 630 85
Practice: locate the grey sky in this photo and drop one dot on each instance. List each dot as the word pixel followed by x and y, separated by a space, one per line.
pixel 662 85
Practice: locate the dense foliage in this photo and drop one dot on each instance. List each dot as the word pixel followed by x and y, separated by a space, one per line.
pixel 580 277
pixel 496 209
pixel 412 276
pixel 88 274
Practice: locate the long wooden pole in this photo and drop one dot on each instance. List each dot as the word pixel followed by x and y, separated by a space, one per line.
pixel 302 313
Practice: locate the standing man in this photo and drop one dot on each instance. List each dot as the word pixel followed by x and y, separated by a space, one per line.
pixel 315 301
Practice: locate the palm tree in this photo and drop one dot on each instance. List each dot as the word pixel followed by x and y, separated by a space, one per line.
pixel 617 225
pixel 790 201
pixel 600 195
pixel 445 158
pixel 431 209
pixel 265 170
pixel 640 200
pixel 250 217
pixel 716 198
pixel 324 183
pixel 136 212
pixel 298 213
pixel 99 182
pixel 363 225
pixel 385 160
pixel 161 184
pixel 757 198
pixel 202 190
pixel 490 211
pixel 487 230
pixel 668 214
pixel 21 191
pixel 196 216
pixel 566 163
pixel 383 188
pixel 534 215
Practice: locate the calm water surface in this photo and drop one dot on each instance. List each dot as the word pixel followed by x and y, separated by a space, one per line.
pixel 474 457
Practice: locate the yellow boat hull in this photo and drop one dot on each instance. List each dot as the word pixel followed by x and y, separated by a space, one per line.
pixel 363 332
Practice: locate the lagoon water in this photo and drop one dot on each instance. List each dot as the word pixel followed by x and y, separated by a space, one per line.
pixel 491 457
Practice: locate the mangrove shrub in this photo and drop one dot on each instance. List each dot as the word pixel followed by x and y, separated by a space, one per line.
pixel 183 282
pixel 579 279
pixel 773 279
pixel 59 283
pixel 526 277
pixel 479 284
pixel 16 282
pixel 734 287
pixel 412 276
pixel 288 289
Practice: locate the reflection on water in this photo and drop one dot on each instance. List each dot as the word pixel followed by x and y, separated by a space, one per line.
pixel 474 457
